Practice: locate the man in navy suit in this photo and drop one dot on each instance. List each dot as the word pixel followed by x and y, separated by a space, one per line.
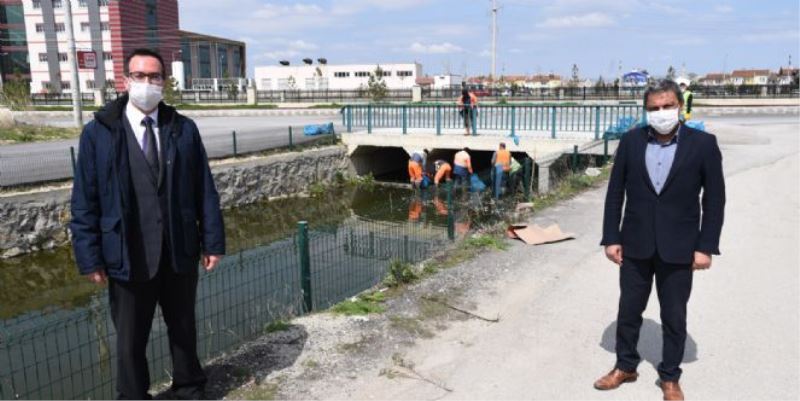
pixel 144 213
pixel 668 230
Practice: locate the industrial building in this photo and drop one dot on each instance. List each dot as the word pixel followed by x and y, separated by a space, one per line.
pixel 319 75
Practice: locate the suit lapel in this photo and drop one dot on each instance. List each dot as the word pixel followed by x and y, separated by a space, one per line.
pixel 684 145
pixel 643 160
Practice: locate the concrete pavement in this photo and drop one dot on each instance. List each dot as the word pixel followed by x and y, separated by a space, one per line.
pixel 558 302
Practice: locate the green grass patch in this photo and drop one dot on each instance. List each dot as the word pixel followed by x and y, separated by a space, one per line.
pixel 486 241
pixel 36 133
pixel 278 325
pixel 571 186
pixel 400 273
pixel 265 391
pixel 364 304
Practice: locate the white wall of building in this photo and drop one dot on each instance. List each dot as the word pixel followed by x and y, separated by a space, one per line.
pixel 344 77
pixel 36 45
pixel 446 81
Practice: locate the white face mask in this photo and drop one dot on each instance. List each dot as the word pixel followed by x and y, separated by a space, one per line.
pixel 145 95
pixel 663 121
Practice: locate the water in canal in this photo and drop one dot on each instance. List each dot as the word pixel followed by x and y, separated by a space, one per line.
pixel 56 340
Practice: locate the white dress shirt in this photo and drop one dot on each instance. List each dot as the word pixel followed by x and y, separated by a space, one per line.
pixel 136 117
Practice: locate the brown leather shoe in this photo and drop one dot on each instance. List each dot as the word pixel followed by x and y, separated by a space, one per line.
pixel 614 379
pixel 672 391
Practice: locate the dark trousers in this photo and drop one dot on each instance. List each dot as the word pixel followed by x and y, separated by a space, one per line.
pixel 133 305
pixel 673 285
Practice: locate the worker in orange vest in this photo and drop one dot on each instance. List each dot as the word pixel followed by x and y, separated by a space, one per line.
pixel 415 173
pixel 443 172
pixel 501 160
pixel 463 167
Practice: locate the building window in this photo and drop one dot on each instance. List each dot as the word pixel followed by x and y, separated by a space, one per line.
pixel 404 73
pixel 39 27
pixel 266 83
pixel 85 26
pixel 362 73
pixel 108 56
pixel 82 3
pixel 56 3
pixel 110 83
pixel 46 85
pixel 12 14
pixel 65 85
pixel 60 27
pixel 100 3
pixel 341 74
pixel 37 4
pixel 89 84
pixel 43 57
pixel 386 73
pixel 62 57
pixel 104 26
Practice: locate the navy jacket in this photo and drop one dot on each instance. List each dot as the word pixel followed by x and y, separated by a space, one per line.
pixel 670 223
pixel 102 193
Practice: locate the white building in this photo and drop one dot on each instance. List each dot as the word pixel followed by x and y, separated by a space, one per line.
pixel 447 81
pixel 47 43
pixel 326 76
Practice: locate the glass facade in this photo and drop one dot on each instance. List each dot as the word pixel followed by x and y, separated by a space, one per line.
pixel 222 62
pixel 152 23
pixel 13 42
pixel 186 58
pixel 204 61
pixel 12 14
pixel 237 62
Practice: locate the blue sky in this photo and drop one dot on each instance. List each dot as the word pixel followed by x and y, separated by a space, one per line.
pixel 534 36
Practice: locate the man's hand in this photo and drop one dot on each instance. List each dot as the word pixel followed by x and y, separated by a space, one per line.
pixel 614 253
pixel 98 277
pixel 210 261
pixel 702 261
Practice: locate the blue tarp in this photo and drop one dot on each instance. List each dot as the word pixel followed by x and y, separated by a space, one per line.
pixel 696 124
pixel 475 184
pixel 318 129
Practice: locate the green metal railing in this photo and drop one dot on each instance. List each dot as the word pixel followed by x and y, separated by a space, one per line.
pixel 504 119
pixel 71 354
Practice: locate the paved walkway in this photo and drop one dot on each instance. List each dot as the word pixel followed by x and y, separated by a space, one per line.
pixel 558 308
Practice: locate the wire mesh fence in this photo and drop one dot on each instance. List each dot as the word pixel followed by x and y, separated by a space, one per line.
pixel 71 354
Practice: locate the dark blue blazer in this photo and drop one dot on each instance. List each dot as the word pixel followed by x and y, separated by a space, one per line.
pixel 670 223
pixel 102 192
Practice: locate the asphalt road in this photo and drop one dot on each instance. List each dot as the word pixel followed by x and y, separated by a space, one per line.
pixel 45 161
pixel 558 302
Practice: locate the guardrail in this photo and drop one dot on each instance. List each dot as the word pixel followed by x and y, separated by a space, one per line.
pixel 504 119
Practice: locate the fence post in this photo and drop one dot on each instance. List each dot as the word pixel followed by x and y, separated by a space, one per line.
pixel 596 122
pixel 513 120
pixel 305 264
pixel 527 169
pixel 474 117
pixel 369 119
pixel 235 150
pixel 291 142
pixel 553 122
pixel 438 119
pixel 349 118
pixel 74 160
pixel 405 119
pixel 575 159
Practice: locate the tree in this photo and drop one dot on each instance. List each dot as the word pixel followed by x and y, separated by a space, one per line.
pixel 600 83
pixel 671 73
pixel 16 93
pixel 171 93
pixel 291 83
pixel 376 86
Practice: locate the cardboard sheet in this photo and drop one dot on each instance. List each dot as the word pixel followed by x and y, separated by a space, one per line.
pixel 535 235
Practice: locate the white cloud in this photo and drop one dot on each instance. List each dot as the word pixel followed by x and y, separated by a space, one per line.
pixel 591 20
pixel 775 36
pixel 441 48
pixel 349 7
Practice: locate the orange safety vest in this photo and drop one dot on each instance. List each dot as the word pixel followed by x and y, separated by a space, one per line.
pixel 414 171
pixel 444 171
pixel 503 158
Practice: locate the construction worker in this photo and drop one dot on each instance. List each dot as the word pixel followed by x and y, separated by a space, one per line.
pixel 501 160
pixel 467 106
pixel 688 96
pixel 415 172
pixel 463 167
pixel 514 175
pixel 443 172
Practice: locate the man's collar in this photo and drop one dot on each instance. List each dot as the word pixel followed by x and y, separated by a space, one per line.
pixel 135 116
pixel 652 136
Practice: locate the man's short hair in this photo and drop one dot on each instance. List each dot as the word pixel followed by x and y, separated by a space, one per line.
pixel 146 53
pixel 502 145
pixel 664 85
pixel 466 150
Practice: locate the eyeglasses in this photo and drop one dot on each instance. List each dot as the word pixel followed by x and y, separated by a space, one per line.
pixel 154 78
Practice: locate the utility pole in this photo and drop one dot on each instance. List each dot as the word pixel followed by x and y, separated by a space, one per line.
pixel 73 66
pixel 494 41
